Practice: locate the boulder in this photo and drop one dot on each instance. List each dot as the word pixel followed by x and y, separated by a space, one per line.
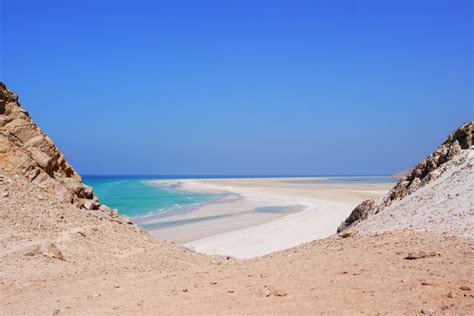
pixel 42 159
pixel 88 192
pixel 359 213
pixel 88 204
pixel 55 252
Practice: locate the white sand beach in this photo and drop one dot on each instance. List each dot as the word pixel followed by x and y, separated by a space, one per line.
pixel 261 215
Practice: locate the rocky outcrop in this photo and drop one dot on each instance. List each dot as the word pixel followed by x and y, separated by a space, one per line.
pixel 26 151
pixel 425 171
pixel 360 212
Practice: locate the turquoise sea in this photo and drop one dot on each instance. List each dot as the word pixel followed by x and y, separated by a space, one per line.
pixel 134 197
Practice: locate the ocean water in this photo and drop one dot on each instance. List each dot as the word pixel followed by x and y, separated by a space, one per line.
pixel 134 197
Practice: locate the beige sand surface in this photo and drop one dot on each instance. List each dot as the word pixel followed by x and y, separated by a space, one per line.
pixel 110 266
pixel 314 210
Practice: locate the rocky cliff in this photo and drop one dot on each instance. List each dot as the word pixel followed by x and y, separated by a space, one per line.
pixel 25 150
pixel 426 171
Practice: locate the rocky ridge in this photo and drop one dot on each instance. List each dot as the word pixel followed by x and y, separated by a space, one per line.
pixel 445 205
pixel 27 151
pixel 425 172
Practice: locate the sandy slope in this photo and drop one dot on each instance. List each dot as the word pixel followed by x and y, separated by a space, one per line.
pixel 321 277
pixel 115 268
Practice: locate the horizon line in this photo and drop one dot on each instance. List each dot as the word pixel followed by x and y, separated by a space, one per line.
pixel 239 176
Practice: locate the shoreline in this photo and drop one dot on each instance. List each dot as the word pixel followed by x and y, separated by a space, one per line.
pixel 183 209
pixel 299 213
pixel 230 211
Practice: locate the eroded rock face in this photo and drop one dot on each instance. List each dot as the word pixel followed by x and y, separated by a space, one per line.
pixel 425 171
pixel 25 150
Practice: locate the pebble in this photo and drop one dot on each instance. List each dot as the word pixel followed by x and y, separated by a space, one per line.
pixel 465 288
pixel 270 290
pixel 427 311
pixel 280 293
pixel 451 295
pixel 265 292
pixel 421 255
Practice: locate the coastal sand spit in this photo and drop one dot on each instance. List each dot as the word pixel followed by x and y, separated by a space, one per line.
pixel 236 228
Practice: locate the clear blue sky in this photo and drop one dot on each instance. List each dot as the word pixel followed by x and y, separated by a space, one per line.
pixel 242 87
